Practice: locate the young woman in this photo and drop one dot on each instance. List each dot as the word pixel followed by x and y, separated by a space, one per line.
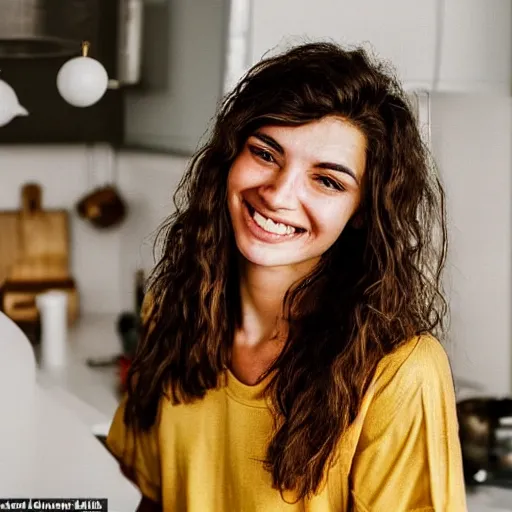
pixel 290 358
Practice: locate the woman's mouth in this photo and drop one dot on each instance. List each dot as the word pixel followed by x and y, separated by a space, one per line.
pixel 264 225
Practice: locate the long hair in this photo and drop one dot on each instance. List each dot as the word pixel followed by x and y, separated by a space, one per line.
pixel 378 286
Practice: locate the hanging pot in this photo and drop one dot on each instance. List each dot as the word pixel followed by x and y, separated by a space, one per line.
pixel 103 207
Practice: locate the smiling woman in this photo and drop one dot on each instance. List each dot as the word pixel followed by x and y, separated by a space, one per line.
pixel 291 356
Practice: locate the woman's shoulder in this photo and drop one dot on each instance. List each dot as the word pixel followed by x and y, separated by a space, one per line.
pixel 421 362
pixel 413 379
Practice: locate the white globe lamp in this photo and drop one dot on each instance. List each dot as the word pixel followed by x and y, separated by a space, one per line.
pixel 9 105
pixel 82 81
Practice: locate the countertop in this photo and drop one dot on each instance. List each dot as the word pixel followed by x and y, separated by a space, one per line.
pixel 90 391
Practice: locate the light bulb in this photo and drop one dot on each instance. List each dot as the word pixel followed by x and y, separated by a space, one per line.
pixel 9 104
pixel 82 81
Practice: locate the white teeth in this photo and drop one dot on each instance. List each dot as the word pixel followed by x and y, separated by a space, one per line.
pixel 271 226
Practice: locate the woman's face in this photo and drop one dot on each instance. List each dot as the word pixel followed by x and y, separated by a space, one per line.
pixel 292 190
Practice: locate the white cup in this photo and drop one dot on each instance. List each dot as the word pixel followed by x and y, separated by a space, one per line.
pixel 53 306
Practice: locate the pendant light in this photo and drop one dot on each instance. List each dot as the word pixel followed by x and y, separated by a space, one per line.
pixel 9 105
pixel 82 81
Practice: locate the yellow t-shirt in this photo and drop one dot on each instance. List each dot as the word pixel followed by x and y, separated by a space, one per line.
pixel 402 453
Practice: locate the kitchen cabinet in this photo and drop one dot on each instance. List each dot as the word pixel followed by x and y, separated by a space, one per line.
pixel 400 31
pixel 475 46
pixel 436 45
pixel 194 51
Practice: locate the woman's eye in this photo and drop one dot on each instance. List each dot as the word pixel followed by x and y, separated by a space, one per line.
pixel 330 183
pixel 263 154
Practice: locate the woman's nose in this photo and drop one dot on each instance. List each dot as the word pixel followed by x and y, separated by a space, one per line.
pixel 281 192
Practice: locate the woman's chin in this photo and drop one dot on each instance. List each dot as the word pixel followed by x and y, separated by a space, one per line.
pixel 265 257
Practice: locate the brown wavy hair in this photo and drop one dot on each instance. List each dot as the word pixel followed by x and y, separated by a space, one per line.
pixel 378 286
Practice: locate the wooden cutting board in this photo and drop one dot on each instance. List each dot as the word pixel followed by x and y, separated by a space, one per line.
pixel 34 242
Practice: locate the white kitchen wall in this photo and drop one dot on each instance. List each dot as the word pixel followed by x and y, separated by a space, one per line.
pixel 148 183
pixel 472 140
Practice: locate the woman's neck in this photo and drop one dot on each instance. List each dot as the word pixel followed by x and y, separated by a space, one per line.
pixel 262 291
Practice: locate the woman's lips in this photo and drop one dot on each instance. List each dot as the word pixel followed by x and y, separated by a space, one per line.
pixel 260 233
pixel 252 209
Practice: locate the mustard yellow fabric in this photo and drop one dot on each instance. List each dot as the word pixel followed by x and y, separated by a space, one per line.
pixel 401 454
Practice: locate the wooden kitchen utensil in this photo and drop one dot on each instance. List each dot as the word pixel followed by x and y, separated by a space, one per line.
pixel 44 239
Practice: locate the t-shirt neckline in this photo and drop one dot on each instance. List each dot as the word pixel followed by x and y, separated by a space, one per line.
pixel 252 395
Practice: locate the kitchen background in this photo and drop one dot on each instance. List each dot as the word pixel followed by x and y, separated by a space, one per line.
pixel 460 51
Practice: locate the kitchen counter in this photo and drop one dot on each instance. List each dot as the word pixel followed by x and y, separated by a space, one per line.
pixel 90 393
pixel 490 499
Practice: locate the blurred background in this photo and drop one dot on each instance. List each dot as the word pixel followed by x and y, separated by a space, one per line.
pixel 83 189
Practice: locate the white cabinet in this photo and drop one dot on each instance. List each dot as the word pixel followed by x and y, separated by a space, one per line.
pixel 196 50
pixel 441 45
pixel 401 31
pixel 475 46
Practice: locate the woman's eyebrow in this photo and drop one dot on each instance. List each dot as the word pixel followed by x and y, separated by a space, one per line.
pixel 270 141
pixel 339 168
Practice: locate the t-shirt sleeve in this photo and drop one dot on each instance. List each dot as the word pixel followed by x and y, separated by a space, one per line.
pixel 137 453
pixel 408 457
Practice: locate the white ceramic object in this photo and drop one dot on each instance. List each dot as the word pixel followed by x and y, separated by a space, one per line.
pixel 9 104
pixel 82 81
